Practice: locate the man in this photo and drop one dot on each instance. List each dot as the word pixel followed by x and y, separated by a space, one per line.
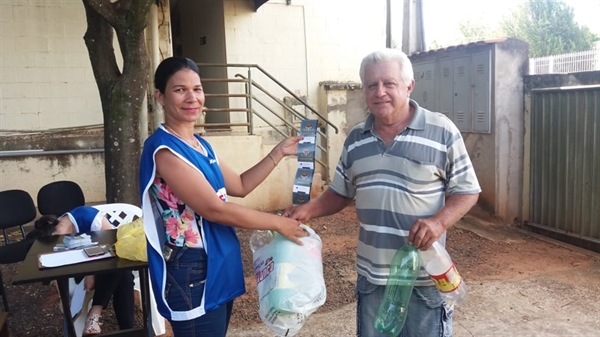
pixel 399 166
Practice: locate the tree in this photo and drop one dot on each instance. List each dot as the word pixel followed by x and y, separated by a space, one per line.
pixel 121 93
pixel 475 30
pixel 549 28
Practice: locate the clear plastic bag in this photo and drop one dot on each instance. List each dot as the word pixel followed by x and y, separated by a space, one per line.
pixel 290 282
pixel 131 241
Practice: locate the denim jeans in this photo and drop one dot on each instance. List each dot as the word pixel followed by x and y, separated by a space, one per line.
pixel 186 277
pixel 428 315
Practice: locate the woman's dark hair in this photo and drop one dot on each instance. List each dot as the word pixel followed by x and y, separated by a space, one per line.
pixel 46 225
pixel 170 66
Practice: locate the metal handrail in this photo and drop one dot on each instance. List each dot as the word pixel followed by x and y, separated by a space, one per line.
pixel 280 102
pixel 249 96
pixel 239 65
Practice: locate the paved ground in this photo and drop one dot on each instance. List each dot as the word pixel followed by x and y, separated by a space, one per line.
pixel 557 296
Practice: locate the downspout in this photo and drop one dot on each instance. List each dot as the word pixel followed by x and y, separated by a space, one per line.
pixel 388 24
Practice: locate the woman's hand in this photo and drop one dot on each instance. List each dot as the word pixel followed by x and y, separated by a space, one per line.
pixel 291 229
pixel 89 282
pixel 287 147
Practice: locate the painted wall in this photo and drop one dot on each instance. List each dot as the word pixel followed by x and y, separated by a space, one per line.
pixel 345 106
pixel 304 43
pixel 512 60
pixel 31 172
pixel 46 79
pixel 203 40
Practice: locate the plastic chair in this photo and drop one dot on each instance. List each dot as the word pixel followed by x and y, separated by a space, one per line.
pixel 16 209
pixel 118 214
pixel 59 197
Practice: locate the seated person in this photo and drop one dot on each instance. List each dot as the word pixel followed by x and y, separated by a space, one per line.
pixel 118 284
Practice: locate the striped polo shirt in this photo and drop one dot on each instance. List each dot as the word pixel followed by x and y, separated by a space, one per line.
pixel 396 185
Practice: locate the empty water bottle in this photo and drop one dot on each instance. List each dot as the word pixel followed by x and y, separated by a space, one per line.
pixel 259 239
pixel 404 270
pixel 439 266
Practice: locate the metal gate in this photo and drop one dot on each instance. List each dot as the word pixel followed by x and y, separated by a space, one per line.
pixel 564 170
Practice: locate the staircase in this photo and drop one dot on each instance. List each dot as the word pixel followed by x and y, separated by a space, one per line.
pixel 252 92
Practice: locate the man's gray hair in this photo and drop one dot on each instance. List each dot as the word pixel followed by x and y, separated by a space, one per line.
pixel 394 55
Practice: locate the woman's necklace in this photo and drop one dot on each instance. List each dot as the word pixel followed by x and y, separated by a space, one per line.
pixel 195 145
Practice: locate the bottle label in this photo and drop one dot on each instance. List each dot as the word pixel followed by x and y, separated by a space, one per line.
pixel 448 281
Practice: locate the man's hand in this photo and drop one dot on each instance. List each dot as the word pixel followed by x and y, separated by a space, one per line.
pixel 299 213
pixel 424 232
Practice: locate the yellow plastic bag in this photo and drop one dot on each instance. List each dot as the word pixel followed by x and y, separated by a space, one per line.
pixel 131 241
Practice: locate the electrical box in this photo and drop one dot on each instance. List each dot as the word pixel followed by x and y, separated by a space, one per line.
pixel 459 87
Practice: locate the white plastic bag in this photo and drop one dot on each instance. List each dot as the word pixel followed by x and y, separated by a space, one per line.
pixel 290 282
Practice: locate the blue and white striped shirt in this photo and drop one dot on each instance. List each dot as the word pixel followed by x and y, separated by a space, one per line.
pixel 396 185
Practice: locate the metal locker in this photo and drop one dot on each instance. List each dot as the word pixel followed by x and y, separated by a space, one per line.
pixel 445 89
pixel 424 90
pixel 482 91
pixel 462 116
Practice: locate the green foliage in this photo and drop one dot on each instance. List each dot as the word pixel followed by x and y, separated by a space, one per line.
pixel 475 30
pixel 471 30
pixel 549 28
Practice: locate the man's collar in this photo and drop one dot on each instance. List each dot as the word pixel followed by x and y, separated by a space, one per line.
pixel 417 122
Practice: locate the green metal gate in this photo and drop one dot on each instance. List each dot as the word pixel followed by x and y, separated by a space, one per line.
pixel 564 170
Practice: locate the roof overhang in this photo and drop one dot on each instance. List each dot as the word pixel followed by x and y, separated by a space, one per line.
pixel 258 3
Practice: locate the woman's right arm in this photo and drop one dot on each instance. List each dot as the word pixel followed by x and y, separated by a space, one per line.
pixel 194 190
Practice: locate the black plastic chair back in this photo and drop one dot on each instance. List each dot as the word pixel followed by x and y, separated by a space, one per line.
pixel 16 209
pixel 59 197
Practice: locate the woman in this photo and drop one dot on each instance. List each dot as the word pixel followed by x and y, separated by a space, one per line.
pixel 193 253
pixel 118 285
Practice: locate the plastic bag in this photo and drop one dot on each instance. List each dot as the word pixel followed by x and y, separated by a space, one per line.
pixel 290 282
pixel 131 241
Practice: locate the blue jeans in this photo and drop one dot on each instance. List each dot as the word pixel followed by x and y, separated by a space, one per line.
pixel 428 315
pixel 186 276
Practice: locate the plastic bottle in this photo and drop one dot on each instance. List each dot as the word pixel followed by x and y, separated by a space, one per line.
pixel 259 239
pixel 392 311
pixel 439 266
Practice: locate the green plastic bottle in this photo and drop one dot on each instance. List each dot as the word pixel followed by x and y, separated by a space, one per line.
pixel 404 270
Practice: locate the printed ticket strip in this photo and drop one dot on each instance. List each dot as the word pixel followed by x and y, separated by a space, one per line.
pixel 306 162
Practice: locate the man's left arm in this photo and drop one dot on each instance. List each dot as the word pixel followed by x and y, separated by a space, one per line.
pixel 463 190
pixel 425 232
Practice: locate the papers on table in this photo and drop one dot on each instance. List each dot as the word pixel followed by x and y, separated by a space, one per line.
pixel 59 259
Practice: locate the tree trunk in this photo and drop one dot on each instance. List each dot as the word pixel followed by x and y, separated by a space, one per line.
pixel 121 93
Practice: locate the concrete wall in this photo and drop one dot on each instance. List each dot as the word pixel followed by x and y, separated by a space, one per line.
pixel 46 79
pixel 345 107
pixel 511 66
pixel 203 40
pixel 302 44
pixel 31 172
